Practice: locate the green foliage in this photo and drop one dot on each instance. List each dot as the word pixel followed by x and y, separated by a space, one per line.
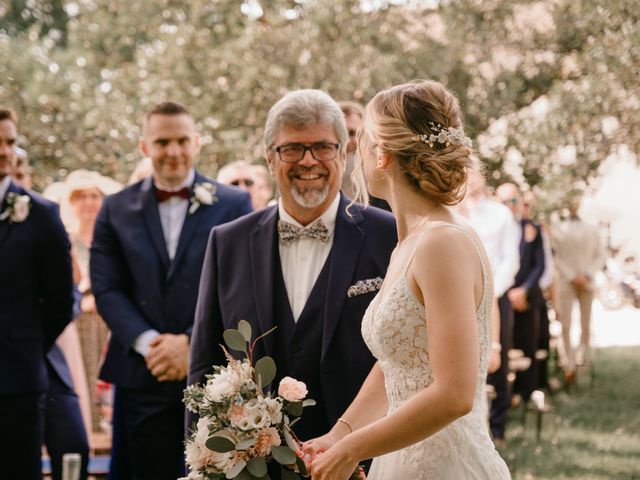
pixel 294 409
pixel 257 467
pixel 220 444
pixel 594 432
pixel 549 89
pixel 266 370
pixel 234 340
pixel 245 329
pixel 283 455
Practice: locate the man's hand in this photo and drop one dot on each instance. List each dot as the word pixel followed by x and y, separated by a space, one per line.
pixel 88 303
pixel 168 359
pixel 581 282
pixel 494 361
pixel 518 298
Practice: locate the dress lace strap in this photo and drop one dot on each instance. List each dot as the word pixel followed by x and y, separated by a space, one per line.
pixel 485 274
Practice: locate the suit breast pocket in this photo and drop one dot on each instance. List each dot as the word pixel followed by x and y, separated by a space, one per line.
pixel 360 302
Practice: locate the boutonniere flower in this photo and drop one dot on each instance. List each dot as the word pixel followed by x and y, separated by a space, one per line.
pixel 203 194
pixel 17 208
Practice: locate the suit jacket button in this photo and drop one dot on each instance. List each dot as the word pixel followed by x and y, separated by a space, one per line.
pixel 295 348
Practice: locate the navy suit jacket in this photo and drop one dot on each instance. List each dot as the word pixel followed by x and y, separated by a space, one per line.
pixel 238 283
pixel 136 286
pixel 35 293
pixel 531 257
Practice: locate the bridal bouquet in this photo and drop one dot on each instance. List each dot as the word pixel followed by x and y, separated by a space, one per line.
pixel 241 428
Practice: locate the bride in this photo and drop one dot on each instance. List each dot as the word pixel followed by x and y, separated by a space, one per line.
pixel 428 327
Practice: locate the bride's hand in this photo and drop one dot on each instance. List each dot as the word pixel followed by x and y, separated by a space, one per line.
pixel 312 448
pixel 336 463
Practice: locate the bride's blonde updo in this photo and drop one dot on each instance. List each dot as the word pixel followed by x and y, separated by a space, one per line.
pixel 402 119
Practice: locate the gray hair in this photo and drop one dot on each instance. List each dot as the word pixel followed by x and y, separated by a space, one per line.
pixel 305 107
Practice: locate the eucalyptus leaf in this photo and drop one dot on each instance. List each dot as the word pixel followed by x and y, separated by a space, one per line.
pixel 246 444
pixel 266 369
pixel 234 340
pixel 301 466
pixel 309 402
pixel 283 455
pixel 295 409
pixel 219 444
pixel 291 443
pixel 237 471
pixel 245 475
pixel 244 328
pixel 286 474
pixel 257 467
pixel 294 421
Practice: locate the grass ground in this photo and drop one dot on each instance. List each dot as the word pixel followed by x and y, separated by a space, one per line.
pixel 594 431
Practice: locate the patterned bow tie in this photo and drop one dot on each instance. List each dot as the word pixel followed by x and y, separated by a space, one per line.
pixel 163 195
pixel 290 233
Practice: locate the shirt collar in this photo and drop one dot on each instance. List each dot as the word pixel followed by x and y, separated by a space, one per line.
pixel 328 217
pixel 187 182
pixel 4 186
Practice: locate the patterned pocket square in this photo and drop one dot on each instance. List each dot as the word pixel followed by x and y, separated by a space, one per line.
pixel 365 286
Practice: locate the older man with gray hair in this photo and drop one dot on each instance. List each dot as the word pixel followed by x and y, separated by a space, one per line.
pixel 305 265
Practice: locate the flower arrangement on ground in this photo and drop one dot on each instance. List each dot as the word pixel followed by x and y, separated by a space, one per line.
pixel 241 427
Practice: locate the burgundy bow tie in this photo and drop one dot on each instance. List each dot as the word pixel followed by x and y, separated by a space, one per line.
pixel 163 195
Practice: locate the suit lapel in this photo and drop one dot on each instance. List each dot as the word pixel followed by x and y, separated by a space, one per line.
pixel 191 222
pixel 5 225
pixel 152 219
pixel 347 242
pixel 264 256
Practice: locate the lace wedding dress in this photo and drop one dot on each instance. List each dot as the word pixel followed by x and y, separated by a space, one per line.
pixel 395 331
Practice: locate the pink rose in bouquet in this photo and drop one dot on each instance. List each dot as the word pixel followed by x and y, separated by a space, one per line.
pixel 292 390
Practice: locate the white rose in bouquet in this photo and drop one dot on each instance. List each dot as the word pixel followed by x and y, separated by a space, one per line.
pixel 259 419
pixel 197 454
pixel 223 385
pixel 274 408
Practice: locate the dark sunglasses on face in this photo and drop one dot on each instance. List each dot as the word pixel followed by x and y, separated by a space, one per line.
pixel 247 182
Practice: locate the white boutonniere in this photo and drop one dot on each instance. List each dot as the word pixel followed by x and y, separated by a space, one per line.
pixel 203 194
pixel 17 208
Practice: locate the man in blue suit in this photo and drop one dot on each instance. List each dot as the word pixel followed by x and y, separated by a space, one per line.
pixel 36 298
pixel 64 430
pixel 525 295
pixel 309 266
pixel 146 258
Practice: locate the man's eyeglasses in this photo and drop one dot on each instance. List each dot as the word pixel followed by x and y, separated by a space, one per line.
pixel 294 152
pixel 247 182
pixel 510 201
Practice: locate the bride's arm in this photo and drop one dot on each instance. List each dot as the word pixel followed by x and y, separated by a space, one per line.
pixel 444 270
pixel 369 405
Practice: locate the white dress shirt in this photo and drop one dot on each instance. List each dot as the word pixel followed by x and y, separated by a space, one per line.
pixel 172 214
pixel 500 235
pixel 4 186
pixel 303 259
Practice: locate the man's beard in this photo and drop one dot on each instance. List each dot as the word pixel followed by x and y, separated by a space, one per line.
pixel 310 197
